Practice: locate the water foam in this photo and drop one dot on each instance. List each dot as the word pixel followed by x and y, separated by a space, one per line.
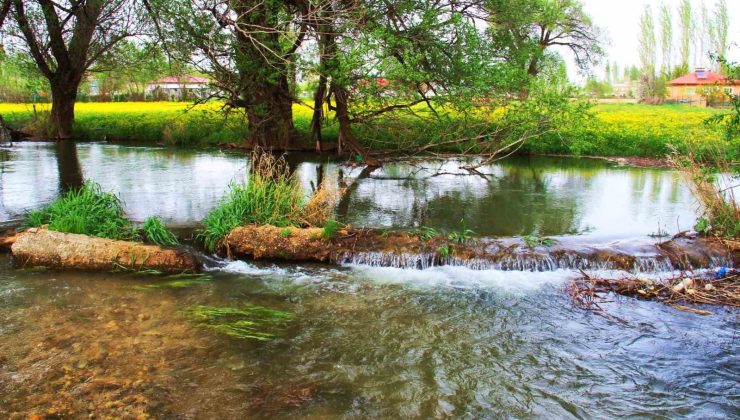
pixel 462 277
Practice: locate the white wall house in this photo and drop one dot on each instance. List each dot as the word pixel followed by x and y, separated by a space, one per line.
pixel 175 88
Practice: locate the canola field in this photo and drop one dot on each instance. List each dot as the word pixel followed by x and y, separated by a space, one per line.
pixel 614 129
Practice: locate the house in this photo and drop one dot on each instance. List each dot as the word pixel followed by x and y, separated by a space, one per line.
pixel 177 88
pixel 701 86
pixel 624 90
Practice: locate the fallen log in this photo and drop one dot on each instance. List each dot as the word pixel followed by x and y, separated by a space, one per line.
pixel 67 251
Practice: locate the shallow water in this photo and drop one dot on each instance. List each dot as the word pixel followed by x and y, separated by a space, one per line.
pixel 363 342
pixel 548 196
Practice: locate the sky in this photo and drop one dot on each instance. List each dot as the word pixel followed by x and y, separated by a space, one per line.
pixel 620 20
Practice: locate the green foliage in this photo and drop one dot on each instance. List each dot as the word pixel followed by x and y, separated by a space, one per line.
pixel 271 196
pixel 88 210
pixel 331 227
pixel 461 237
pixel 533 241
pixel 702 225
pixel 156 232
pixel 250 322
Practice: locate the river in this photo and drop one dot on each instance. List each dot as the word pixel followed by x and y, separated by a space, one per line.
pixel 358 341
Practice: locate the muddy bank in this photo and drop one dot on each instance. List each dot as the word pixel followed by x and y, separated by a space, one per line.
pixel 409 250
pixel 66 251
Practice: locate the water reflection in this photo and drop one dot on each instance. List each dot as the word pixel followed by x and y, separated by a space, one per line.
pixel 70 171
pixel 549 196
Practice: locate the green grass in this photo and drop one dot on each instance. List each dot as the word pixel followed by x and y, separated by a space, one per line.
pixel 331 228
pixel 88 210
pixel 271 196
pixel 614 130
pixel 156 232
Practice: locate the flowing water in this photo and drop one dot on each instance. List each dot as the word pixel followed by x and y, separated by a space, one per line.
pixel 359 341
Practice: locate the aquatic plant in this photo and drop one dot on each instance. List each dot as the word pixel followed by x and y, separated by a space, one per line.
pixel 331 227
pixel 271 196
pixel 248 322
pixel 178 281
pixel 87 210
pixel 156 232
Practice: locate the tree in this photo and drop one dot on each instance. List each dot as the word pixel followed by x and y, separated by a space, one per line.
pixel 65 38
pixel 647 42
pixel 534 26
pixel 721 29
pixel 686 22
pixel 666 38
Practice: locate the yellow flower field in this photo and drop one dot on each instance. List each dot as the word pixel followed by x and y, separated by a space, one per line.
pixel 616 129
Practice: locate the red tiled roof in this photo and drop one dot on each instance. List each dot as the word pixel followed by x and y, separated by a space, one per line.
pixel 693 78
pixel 183 79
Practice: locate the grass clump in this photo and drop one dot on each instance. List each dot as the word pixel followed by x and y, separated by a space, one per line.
pixel 250 322
pixel 88 210
pixel 331 228
pixel 156 232
pixel 271 196
pixel 713 185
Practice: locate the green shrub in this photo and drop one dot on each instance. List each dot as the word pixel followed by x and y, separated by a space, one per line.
pixel 156 232
pixel 88 210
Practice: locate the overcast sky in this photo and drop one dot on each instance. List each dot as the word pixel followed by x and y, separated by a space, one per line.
pixel 620 21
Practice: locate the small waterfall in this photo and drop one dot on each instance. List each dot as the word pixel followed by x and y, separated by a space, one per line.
pixel 533 262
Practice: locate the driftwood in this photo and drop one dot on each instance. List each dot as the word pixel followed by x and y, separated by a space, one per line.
pixel 589 292
pixel 67 251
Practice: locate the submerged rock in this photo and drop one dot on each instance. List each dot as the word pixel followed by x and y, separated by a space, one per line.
pixel 68 251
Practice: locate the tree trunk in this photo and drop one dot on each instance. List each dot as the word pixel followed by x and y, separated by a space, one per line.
pixel 63 98
pixel 270 120
pixel 318 112
pixel 264 86
pixel 346 139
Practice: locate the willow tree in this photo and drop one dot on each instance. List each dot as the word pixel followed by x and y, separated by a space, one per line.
pixel 249 48
pixel 533 28
pixel 65 39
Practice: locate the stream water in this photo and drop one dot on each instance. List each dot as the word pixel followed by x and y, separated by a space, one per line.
pixel 359 341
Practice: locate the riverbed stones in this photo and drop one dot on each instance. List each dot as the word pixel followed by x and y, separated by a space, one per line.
pixel 68 251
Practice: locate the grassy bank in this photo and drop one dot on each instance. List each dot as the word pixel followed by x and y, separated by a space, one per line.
pixel 614 130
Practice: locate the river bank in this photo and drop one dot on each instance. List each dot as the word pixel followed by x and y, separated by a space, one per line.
pixel 615 130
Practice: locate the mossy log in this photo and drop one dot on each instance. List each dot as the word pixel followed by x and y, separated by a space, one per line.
pixel 67 251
